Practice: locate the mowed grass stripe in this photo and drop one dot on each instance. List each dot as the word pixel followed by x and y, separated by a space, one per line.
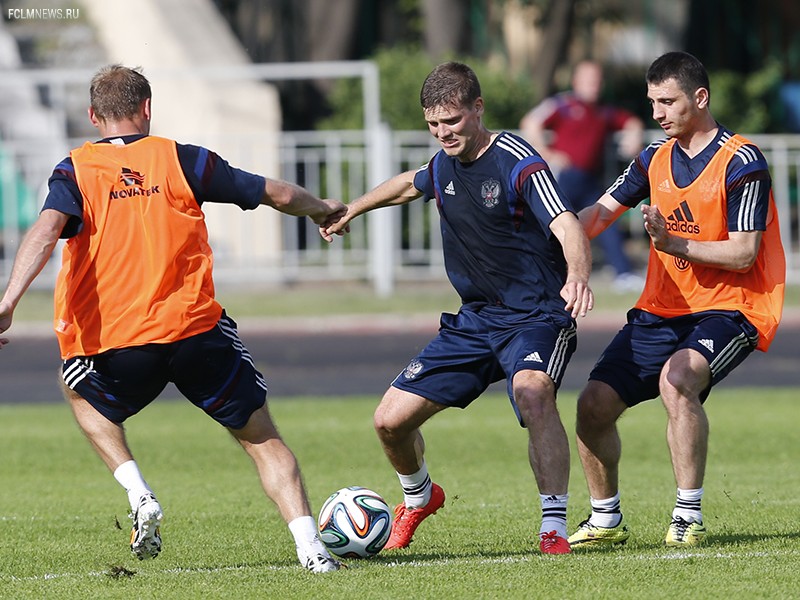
pixel 384 562
pixel 223 539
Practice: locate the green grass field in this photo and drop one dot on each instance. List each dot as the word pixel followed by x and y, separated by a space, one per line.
pixel 64 529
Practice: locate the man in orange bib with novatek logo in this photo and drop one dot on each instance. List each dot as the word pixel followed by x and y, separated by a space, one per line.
pixel 134 302
pixel 713 294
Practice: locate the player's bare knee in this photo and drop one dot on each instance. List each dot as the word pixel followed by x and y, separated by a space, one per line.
pixel 598 408
pixel 681 386
pixel 535 404
pixel 258 429
pixel 381 422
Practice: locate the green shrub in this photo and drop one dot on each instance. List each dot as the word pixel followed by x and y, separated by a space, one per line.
pixel 746 103
pixel 402 71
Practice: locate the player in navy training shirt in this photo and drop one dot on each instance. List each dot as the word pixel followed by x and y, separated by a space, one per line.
pixel 518 257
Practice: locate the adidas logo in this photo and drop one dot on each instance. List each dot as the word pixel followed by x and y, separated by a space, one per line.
pixel 450 189
pixel 708 344
pixel 682 213
pixel 665 187
pixel 533 357
pixel 682 220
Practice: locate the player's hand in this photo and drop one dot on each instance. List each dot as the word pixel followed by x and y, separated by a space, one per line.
pixel 6 315
pixel 336 210
pixel 340 226
pixel 656 227
pixel 578 296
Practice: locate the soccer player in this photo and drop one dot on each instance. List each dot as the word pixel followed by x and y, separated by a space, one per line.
pixel 580 126
pixel 134 300
pixel 520 261
pixel 713 294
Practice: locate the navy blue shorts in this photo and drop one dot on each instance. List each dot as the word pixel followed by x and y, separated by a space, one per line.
pixel 632 362
pixel 475 348
pixel 212 369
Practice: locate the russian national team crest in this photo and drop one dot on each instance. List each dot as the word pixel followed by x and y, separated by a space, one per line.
pixel 413 369
pixel 490 192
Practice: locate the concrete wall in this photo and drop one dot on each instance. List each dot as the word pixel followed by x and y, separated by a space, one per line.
pixel 170 38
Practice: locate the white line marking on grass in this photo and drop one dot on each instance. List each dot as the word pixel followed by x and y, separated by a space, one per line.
pixel 684 554
pixel 193 570
pixel 434 562
pixel 173 571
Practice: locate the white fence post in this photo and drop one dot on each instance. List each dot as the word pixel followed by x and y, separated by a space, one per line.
pixel 381 221
pixel 779 161
pixel 380 238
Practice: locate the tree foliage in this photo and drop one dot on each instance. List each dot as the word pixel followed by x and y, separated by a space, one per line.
pixel 402 71
pixel 747 103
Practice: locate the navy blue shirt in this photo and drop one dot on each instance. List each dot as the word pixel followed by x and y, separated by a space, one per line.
pixel 495 214
pixel 210 177
pixel 747 180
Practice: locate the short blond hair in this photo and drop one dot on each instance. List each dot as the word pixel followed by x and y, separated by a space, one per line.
pixel 117 92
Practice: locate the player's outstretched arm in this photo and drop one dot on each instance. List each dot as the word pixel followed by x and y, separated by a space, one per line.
pixel 576 292
pixel 34 252
pixel 295 200
pixel 395 191
pixel 596 217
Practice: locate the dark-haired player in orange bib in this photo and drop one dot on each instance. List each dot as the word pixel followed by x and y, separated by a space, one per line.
pixel 134 301
pixel 713 294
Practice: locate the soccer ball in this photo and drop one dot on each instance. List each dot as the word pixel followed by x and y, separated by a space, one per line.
pixel 355 522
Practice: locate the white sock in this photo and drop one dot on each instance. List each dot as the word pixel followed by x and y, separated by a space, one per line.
pixel 554 513
pixel 687 505
pixel 606 512
pixel 306 537
pixel 129 477
pixel 416 487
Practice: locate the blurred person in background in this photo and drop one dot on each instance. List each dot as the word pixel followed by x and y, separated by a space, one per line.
pixel 572 131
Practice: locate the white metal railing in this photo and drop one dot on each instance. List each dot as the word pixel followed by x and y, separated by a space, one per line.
pixel 388 245
pixel 334 164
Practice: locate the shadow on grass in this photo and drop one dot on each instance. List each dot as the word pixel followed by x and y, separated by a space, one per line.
pixel 738 539
pixel 410 557
pixel 712 542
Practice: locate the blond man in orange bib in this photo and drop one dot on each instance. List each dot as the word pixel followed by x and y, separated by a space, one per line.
pixel 134 302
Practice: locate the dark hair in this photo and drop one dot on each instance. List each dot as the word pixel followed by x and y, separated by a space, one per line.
pixel 684 68
pixel 450 84
pixel 117 92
